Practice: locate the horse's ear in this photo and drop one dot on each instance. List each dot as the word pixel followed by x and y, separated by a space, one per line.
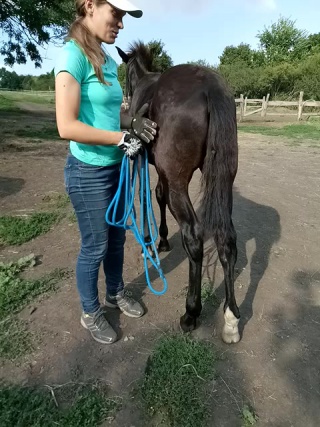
pixel 123 55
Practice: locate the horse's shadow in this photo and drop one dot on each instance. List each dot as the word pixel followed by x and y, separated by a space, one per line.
pixel 253 222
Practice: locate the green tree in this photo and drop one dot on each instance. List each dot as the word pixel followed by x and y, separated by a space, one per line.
pixel 161 60
pixel 242 53
pixel 308 77
pixel 122 75
pixel 241 78
pixel 29 24
pixel 202 63
pixel 314 43
pixel 10 80
pixel 283 42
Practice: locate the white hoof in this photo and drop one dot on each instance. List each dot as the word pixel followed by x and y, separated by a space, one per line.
pixel 230 332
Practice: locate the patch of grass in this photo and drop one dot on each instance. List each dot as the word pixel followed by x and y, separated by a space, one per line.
pixel 295 131
pixel 33 97
pixel 7 104
pixel 43 133
pixel 57 200
pixel 175 381
pixel 208 296
pixel 16 292
pixel 85 405
pixel 15 339
pixel 249 418
pixel 17 230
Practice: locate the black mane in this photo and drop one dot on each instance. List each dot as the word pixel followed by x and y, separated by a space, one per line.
pixel 142 54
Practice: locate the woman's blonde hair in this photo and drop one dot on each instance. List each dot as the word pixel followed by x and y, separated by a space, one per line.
pixel 89 44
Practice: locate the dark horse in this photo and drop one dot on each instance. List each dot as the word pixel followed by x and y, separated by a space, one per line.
pixel 196 116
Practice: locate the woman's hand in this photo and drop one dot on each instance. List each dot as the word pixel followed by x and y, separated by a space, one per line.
pixel 143 127
pixel 131 145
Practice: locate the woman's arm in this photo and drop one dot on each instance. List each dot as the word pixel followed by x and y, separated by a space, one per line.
pixel 67 111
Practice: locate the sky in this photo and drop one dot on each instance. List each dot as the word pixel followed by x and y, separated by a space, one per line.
pixel 198 29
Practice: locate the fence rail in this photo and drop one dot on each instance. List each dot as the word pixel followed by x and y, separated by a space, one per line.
pixel 31 92
pixel 244 102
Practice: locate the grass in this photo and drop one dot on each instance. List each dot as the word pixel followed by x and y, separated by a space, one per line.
pixel 17 230
pixel 71 405
pixel 249 418
pixel 15 294
pixel 15 339
pixel 175 381
pixel 43 133
pixel 34 97
pixel 208 296
pixel 7 104
pixel 57 200
pixel 295 131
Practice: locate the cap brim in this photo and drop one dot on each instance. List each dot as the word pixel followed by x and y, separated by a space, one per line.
pixel 127 7
pixel 135 13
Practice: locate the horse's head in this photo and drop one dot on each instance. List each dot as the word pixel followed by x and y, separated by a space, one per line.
pixel 139 62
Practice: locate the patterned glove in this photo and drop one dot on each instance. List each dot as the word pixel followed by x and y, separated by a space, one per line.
pixel 131 145
pixel 142 127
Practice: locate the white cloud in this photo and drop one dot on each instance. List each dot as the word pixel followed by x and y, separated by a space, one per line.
pixel 168 6
pixel 263 4
pixel 195 7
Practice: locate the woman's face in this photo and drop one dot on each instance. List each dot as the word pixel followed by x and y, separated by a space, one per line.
pixel 104 21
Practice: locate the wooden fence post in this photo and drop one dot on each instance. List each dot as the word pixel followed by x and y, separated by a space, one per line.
pixel 241 108
pixel 245 105
pixel 300 106
pixel 265 106
pixel 263 102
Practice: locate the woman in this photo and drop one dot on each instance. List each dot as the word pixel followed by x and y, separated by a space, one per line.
pixel 88 102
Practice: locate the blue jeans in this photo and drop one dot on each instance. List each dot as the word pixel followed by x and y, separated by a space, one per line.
pixel 91 189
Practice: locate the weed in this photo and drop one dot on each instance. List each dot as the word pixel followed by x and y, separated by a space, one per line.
pixel 249 418
pixel 208 296
pixel 71 405
pixel 15 339
pixel 17 230
pixel 175 380
pixel 16 292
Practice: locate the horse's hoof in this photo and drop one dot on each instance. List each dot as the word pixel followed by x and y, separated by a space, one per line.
pixel 188 323
pixel 150 251
pixel 230 332
pixel 164 246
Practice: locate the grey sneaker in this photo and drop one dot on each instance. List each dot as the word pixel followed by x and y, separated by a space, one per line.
pixel 127 305
pixel 99 327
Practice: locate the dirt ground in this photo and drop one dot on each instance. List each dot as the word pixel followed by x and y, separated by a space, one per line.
pixel 276 366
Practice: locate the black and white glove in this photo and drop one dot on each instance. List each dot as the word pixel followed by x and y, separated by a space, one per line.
pixel 131 145
pixel 142 127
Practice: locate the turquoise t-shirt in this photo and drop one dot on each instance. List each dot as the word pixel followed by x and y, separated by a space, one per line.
pixel 100 104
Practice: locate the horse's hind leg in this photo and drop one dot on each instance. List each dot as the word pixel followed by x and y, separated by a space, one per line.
pixel 163 229
pixel 192 239
pixel 227 249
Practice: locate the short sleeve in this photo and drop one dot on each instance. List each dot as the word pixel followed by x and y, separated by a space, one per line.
pixel 72 60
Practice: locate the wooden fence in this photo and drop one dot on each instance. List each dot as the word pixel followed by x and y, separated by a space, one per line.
pixel 265 102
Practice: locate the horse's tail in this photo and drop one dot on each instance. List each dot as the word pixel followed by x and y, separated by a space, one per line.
pixel 221 161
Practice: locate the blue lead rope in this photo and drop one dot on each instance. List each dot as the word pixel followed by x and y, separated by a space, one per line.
pixel 127 183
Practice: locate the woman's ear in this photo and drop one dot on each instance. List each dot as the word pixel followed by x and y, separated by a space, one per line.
pixel 89 6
